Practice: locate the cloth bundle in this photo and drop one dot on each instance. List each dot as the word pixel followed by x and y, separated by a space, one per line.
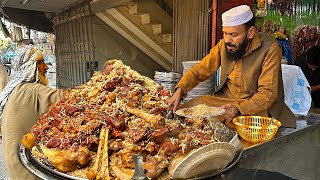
pixel 296 89
pixel 17 34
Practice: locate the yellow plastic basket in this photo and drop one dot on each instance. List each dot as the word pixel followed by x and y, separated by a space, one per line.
pixel 256 128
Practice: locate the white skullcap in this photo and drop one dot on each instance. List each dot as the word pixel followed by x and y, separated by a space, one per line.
pixel 237 16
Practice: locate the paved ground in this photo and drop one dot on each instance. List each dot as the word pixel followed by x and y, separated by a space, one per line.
pixel 3 171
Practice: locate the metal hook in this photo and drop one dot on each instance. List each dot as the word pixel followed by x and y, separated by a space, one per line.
pixel 170 113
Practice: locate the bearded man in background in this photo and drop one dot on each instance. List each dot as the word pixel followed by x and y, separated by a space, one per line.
pixel 250 78
pixel 42 70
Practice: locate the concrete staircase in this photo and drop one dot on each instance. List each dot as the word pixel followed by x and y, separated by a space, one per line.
pixel 146 25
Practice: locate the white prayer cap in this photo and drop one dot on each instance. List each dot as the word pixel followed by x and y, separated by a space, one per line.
pixel 237 16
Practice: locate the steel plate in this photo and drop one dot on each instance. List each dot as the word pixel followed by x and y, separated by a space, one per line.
pixel 229 166
pixel 235 142
pixel 205 160
pixel 182 112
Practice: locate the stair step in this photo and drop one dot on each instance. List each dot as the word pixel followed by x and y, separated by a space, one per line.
pixel 166 38
pixel 144 18
pixel 155 28
pixel 132 8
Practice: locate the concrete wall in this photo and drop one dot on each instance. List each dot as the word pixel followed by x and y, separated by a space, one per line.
pixel 111 45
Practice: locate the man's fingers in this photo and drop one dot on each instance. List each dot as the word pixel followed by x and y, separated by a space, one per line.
pixel 227 117
pixel 175 100
pixel 226 106
pixel 175 106
pixel 170 104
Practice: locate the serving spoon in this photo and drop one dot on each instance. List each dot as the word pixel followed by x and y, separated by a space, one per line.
pixel 170 113
pixel 138 169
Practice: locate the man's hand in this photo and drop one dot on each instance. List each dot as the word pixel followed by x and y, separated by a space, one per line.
pixel 175 99
pixel 231 112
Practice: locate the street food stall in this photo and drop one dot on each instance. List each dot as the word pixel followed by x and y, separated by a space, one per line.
pixel 266 157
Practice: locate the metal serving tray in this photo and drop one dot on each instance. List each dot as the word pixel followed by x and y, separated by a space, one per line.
pixel 40 169
pixel 44 172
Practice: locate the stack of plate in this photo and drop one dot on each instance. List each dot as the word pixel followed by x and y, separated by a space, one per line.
pixel 167 79
pixel 204 88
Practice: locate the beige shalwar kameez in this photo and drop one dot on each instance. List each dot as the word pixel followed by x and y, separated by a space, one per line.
pixel 3 77
pixel 26 103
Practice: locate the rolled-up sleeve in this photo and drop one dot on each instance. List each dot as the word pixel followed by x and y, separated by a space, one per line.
pixel 201 71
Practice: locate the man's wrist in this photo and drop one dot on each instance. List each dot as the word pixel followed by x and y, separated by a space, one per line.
pixel 181 92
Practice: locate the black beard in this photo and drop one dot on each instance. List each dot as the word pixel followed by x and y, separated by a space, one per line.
pixel 237 54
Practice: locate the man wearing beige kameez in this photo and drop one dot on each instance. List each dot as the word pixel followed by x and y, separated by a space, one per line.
pixel 23 101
